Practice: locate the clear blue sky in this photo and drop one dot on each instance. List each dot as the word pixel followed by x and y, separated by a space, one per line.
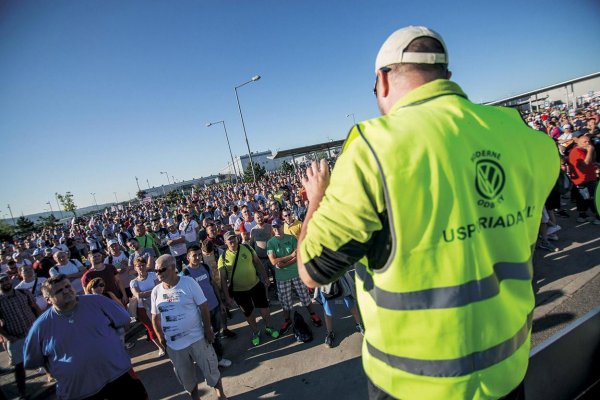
pixel 95 92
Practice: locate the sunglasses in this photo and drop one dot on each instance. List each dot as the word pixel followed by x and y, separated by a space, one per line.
pixel 161 270
pixel 97 285
pixel 385 70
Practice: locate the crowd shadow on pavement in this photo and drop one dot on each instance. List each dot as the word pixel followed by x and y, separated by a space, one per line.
pixel 551 320
pixel 344 380
pixel 578 251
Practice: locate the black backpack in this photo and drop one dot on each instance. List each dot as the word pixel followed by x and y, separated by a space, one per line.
pixel 302 332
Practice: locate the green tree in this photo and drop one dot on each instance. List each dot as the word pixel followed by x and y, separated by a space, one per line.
pixel 141 194
pixel 320 155
pixel 286 167
pixel 173 196
pixel 24 226
pixel 66 200
pixel 47 222
pixel 6 231
pixel 258 169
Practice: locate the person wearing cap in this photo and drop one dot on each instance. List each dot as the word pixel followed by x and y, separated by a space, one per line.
pixel 281 249
pixel 43 262
pixel 439 228
pixel 248 291
pixel 120 260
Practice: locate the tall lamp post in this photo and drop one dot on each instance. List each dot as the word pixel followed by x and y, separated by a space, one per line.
pixel 95 202
pixel 253 79
pixel 116 200
pixel 58 205
pixel 11 215
pixel 228 145
pixel 138 184
pixel 50 205
pixel 353 119
pixel 167 174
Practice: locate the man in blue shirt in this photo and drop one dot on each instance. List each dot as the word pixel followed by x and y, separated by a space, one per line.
pixel 77 340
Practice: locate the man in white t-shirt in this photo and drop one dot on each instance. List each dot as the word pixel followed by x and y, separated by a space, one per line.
pixel 33 284
pixel 73 269
pixel 181 319
pixel 177 244
pixel 189 228
pixel 120 260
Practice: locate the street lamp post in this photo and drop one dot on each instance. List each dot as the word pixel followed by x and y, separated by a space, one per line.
pixel 138 184
pixel 148 182
pixel 95 202
pixel 253 79
pixel 11 215
pixel 228 145
pixel 116 200
pixel 58 205
pixel 353 119
pixel 167 174
pixel 50 205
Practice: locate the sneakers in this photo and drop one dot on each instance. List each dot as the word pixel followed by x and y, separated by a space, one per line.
pixel 272 332
pixel 545 245
pixel 316 320
pixel 224 363
pixel 361 329
pixel 329 339
pixel 552 237
pixel 287 324
pixel 255 339
pixel 160 353
pixel 582 218
pixel 227 333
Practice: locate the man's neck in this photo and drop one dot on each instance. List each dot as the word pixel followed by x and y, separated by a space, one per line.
pixel 169 285
pixel 98 267
pixel 68 308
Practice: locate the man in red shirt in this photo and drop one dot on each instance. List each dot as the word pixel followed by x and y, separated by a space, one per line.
pixel 583 175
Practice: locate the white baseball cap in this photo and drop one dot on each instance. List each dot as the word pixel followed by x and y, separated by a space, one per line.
pixel 393 49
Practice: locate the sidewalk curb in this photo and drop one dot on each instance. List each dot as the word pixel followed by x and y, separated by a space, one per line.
pixel 568 288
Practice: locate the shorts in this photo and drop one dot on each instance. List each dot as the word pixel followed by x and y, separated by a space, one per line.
pixel 127 383
pixel 348 301
pixel 15 351
pixel 248 299
pixel 184 361
pixel 284 288
pixel 545 216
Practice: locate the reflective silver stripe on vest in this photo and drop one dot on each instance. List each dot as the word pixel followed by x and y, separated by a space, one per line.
pixel 445 297
pixel 459 366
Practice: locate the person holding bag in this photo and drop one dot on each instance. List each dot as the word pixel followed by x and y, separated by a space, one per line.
pixel 239 267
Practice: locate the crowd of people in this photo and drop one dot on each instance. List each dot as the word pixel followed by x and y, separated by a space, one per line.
pixel 577 136
pixel 181 267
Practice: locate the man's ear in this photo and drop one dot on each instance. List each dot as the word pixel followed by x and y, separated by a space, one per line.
pixel 384 83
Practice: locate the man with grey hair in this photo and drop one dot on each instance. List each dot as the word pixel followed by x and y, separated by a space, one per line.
pixel 446 202
pixel 181 320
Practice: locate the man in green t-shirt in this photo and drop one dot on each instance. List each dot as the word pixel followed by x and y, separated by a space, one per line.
pixel 248 291
pixel 281 250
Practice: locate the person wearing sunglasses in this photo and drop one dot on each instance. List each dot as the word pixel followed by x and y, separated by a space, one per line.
pixel 181 320
pixel 420 204
pixel 78 338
